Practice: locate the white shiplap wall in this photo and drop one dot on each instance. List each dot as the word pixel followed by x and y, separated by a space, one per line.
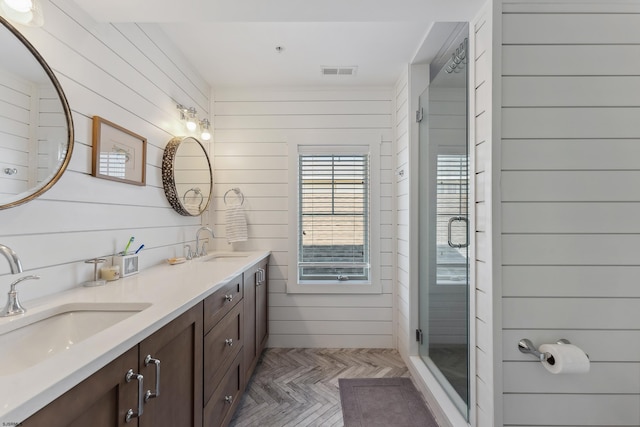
pixel 570 163
pixel 485 196
pixel 403 270
pixel 252 128
pixel 131 75
pixel 52 127
pixel 18 99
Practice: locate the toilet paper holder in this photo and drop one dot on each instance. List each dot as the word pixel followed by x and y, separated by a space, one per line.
pixel 526 346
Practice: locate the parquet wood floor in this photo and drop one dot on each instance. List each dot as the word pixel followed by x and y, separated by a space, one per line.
pixel 299 387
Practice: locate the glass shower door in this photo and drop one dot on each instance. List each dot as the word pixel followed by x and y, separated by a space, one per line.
pixel 444 234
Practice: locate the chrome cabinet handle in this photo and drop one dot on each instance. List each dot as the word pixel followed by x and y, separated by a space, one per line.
pixel 228 399
pixel 260 277
pixel 228 297
pixel 451 221
pixel 229 342
pixel 152 395
pixel 130 376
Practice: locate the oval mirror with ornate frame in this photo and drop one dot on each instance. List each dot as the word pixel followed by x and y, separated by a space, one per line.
pixel 186 176
pixel 36 128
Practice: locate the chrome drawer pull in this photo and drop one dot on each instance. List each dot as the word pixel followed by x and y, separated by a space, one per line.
pixel 228 297
pixel 228 399
pixel 260 276
pixel 152 395
pixel 229 342
pixel 130 377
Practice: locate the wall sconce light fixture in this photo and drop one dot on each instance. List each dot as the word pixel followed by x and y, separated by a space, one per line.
pixel 189 116
pixel 25 12
pixel 192 123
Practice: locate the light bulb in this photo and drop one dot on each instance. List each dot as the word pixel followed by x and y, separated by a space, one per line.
pixel 206 134
pixel 191 120
pixel 25 12
pixel 20 5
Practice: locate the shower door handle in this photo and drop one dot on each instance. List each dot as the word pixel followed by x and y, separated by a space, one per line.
pixel 451 221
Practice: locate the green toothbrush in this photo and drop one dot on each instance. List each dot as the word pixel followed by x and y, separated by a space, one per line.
pixel 128 244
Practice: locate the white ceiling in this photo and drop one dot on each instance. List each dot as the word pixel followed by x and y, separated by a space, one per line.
pixel 233 42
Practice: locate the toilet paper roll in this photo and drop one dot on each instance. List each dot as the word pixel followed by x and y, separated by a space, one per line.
pixel 565 359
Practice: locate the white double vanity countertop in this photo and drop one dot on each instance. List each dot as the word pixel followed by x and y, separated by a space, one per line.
pixel 34 372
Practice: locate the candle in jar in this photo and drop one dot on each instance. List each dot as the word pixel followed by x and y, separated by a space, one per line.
pixel 110 273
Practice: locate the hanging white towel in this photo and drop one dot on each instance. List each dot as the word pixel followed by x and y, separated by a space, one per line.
pixel 236 224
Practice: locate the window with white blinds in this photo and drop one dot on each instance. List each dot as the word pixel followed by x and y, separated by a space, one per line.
pixel 333 217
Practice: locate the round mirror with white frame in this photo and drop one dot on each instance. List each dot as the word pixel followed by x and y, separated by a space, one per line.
pixel 36 128
pixel 186 176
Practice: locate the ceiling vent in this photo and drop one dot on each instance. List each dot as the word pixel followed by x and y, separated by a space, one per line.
pixel 339 71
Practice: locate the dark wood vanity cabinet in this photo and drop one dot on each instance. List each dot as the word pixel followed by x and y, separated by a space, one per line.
pixel 178 348
pixel 205 359
pixel 103 399
pixel 223 345
pixel 228 369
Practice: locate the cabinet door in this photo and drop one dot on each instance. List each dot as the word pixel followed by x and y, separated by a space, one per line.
pixel 102 400
pixel 178 347
pixel 255 312
pixel 249 302
pixel 262 304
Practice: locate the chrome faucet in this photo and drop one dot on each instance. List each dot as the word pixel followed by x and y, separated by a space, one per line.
pixel 13 305
pixel 12 259
pixel 201 252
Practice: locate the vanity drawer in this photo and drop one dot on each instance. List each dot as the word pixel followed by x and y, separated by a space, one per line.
pixel 221 345
pixel 220 408
pixel 217 305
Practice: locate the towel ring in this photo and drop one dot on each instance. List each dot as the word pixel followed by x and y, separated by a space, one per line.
pixel 196 192
pixel 238 194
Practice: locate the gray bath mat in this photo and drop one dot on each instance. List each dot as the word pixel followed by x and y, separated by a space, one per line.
pixel 383 402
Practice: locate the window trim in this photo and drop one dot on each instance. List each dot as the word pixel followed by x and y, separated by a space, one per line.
pixel 334 144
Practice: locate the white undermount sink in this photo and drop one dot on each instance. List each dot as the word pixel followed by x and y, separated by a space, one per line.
pixel 29 339
pixel 224 257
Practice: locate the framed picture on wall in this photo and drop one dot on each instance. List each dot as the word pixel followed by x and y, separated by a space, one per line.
pixel 118 154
